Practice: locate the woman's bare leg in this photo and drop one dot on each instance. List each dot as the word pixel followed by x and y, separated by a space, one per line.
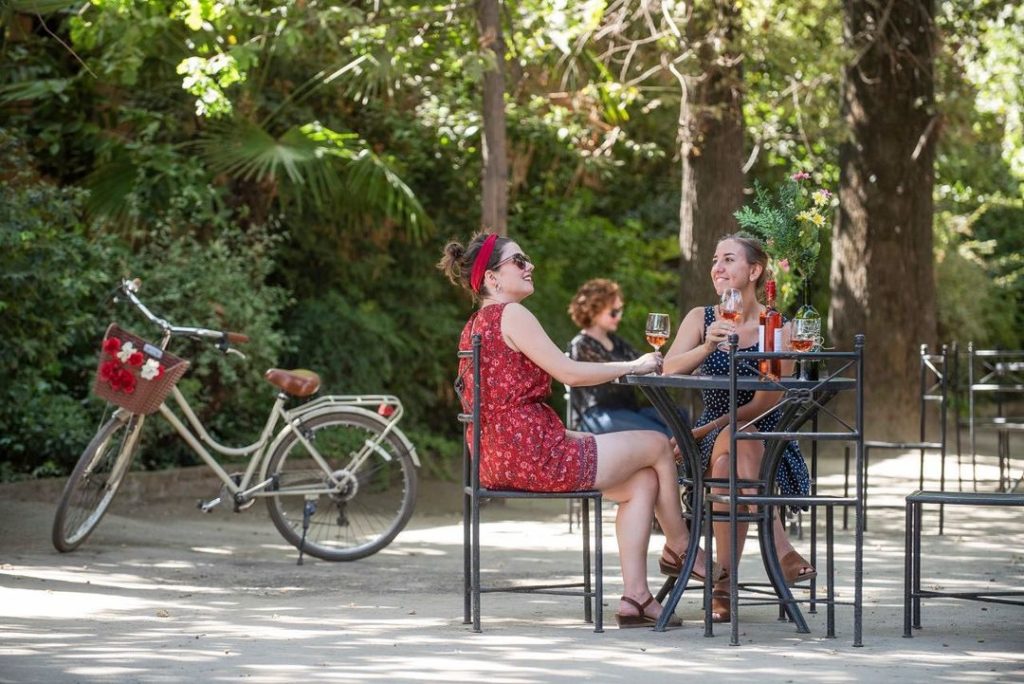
pixel 620 454
pixel 748 467
pixel 636 498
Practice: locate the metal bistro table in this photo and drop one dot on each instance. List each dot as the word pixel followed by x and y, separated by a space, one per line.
pixel 801 403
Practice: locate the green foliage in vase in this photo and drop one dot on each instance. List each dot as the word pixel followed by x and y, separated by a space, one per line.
pixel 789 221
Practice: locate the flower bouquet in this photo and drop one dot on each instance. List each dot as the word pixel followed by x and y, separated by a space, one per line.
pixel 789 222
pixel 134 374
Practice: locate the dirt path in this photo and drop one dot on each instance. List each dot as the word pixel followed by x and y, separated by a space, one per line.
pixel 163 593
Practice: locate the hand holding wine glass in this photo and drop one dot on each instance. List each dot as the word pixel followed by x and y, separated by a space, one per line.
pixel 731 309
pixel 657 332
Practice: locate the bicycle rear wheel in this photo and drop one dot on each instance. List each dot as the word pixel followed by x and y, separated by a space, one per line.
pixel 356 508
pixel 95 479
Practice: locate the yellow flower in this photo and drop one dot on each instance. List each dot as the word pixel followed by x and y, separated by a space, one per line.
pixel 821 197
pixel 805 216
pixel 817 219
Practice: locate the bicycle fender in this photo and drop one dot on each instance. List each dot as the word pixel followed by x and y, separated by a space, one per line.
pixel 341 409
pixel 384 424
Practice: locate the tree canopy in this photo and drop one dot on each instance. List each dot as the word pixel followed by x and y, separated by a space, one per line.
pixel 291 169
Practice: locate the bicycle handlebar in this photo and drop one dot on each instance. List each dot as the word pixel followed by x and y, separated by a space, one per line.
pixel 223 338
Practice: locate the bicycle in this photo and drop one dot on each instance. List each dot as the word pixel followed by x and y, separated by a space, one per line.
pixel 339 477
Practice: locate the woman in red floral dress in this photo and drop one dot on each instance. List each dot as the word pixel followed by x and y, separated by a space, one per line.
pixel 525 444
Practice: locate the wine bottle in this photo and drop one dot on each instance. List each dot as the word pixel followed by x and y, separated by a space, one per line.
pixel 771 369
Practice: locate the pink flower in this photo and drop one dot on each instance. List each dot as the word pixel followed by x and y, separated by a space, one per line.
pixel 800 175
pixel 784 265
pixel 111 345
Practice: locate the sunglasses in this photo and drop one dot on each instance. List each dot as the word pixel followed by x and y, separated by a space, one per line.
pixel 615 313
pixel 519 259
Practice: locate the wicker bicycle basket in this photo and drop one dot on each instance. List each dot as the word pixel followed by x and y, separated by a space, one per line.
pixel 137 378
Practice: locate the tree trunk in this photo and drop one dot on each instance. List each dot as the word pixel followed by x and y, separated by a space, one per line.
pixel 711 146
pixel 882 278
pixel 494 183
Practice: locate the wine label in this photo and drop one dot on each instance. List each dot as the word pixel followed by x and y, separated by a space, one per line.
pixel 778 340
pixel 760 338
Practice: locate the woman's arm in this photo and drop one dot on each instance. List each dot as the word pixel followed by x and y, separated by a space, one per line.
pixel 689 348
pixel 523 332
pixel 762 402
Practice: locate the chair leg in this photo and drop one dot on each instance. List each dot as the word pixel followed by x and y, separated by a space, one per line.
pixel 585 529
pixel 908 533
pixel 476 563
pixel 916 568
pixel 830 573
pixel 846 484
pixel 867 457
pixel 598 569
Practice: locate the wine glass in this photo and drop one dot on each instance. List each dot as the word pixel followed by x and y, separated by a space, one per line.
pixel 657 331
pixel 731 308
pixel 806 332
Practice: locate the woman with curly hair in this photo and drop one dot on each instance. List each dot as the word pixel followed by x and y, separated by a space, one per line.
pixel 597 309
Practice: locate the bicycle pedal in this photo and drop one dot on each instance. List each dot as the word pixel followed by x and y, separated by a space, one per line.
pixel 207 506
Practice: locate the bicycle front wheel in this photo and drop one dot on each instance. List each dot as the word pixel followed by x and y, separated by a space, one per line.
pixel 94 481
pixel 355 500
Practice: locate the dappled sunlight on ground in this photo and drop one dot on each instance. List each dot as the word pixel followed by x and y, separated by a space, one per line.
pixel 193 602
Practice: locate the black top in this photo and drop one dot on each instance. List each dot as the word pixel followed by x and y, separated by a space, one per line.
pixel 583 347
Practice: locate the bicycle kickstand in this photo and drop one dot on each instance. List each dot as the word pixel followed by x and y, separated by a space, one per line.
pixel 307 512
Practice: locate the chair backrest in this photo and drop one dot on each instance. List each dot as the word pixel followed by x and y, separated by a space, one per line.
pixel 994 373
pixel 935 383
pixel 470 412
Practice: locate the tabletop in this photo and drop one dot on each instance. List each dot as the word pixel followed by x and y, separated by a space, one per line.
pixel 721 382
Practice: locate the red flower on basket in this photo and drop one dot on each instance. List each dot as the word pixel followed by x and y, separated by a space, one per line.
pixel 124 356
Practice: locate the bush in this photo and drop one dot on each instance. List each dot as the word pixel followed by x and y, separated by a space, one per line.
pixel 979 299
pixel 51 275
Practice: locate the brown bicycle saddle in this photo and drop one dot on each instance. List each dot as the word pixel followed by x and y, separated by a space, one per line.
pixel 298 383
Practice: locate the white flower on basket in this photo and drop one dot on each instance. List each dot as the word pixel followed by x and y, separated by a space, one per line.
pixel 151 369
pixel 127 349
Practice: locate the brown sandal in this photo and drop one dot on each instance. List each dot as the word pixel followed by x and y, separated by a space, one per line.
pixel 673 568
pixel 721 609
pixel 792 565
pixel 642 619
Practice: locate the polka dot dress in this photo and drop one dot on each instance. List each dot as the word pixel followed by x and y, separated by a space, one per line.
pixel 792 475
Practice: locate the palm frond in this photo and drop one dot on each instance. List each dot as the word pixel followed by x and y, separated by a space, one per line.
pixel 110 187
pixel 312 163
pixel 376 189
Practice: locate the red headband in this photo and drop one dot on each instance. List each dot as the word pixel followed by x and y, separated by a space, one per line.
pixel 483 257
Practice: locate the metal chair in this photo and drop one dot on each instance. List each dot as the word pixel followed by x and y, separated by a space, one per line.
pixel 912 589
pixel 998 375
pixel 591 588
pixel 934 382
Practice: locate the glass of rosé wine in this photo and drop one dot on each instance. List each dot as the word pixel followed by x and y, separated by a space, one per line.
pixel 730 308
pixel 657 330
pixel 806 335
